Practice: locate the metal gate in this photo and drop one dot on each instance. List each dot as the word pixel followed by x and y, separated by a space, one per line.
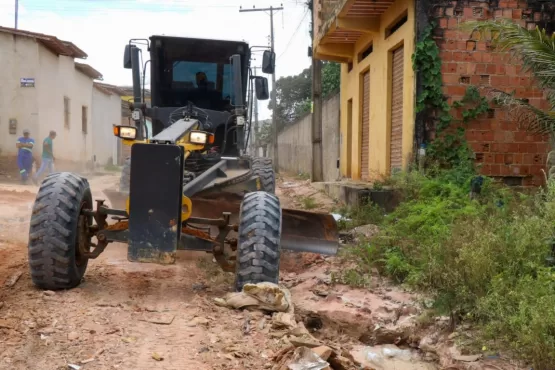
pixel 365 127
pixel 396 143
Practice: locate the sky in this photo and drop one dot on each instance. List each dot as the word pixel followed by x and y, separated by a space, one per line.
pixel 102 28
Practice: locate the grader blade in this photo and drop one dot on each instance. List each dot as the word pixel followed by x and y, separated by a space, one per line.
pixel 301 231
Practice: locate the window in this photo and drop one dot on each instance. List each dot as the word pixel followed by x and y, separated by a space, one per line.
pixel 184 74
pixel 397 24
pixel 66 112
pixel 84 122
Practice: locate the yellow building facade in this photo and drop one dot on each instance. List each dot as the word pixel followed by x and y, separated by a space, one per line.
pixel 374 41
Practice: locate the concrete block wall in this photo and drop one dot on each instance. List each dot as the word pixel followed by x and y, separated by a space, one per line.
pixel 295 142
pixel 503 148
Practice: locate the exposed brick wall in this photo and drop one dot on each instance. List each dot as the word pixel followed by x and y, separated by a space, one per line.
pixel 502 147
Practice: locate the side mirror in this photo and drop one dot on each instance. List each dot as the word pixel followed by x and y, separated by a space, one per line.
pixel 268 61
pixel 127 57
pixel 261 88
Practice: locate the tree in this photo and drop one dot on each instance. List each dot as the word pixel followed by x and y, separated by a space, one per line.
pixel 331 78
pixel 294 93
pixel 536 50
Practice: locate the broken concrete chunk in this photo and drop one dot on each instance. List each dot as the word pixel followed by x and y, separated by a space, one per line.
pixel 158 318
pixel 13 279
pixel 263 296
pixel 305 341
pixel 283 320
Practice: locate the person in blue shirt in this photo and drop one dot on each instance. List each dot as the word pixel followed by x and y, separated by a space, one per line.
pixel 25 145
pixel 47 160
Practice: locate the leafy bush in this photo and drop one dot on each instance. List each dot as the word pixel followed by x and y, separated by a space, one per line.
pixel 483 260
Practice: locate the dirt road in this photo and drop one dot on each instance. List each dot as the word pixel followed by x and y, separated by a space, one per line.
pixel 123 315
pixel 145 316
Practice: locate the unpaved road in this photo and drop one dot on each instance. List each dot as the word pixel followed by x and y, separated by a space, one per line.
pixel 109 316
pixel 145 316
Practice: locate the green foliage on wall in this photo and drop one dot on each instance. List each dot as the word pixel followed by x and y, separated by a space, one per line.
pixel 449 148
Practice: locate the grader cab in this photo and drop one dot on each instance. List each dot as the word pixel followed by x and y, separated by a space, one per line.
pixel 188 184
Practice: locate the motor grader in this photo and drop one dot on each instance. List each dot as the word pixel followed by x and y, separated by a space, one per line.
pixel 188 184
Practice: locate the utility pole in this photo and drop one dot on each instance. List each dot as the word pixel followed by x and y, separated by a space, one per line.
pixel 317 150
pixel 16 12
pixel 271 9
pixel 317 155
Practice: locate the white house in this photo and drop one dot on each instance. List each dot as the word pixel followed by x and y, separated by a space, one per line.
pixel 43 88
pixel 106 113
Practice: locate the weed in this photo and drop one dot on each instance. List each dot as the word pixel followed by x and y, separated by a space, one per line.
pixel 360 215
pixel 309 203
pixel 303 176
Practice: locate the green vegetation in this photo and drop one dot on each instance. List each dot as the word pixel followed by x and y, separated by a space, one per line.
pixel 309 203
pixel 486 261
pixel 450 147
pixel 294 93
pixel 483 260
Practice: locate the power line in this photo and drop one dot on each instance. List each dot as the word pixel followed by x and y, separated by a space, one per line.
pixel 123 5
pixel 294 34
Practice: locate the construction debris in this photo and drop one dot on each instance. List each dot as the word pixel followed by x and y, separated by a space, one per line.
pixel 262 296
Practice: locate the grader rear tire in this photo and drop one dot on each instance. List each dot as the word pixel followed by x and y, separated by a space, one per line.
pixel 263 168
pixel 258 247
pixel 58 232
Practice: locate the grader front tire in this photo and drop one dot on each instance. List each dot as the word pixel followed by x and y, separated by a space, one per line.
pixel 58 234
pixel 258 247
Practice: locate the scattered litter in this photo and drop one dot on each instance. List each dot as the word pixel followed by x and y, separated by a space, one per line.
pixel 339 217
pixel 264 296
pixel 74 367
pixel 157 357
pixel 305 359
pixel 13 279
pixel 377 355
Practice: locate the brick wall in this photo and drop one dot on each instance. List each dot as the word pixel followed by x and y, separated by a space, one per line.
pixel 502 147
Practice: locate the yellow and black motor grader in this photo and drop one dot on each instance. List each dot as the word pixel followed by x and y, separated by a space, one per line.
pixel 188 184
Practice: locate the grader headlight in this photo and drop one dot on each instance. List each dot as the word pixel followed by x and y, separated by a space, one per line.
pixel 125 132
pixel 201 138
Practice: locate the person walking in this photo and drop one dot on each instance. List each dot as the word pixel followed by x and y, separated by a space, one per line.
pixel 25 145
pixel 47 159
